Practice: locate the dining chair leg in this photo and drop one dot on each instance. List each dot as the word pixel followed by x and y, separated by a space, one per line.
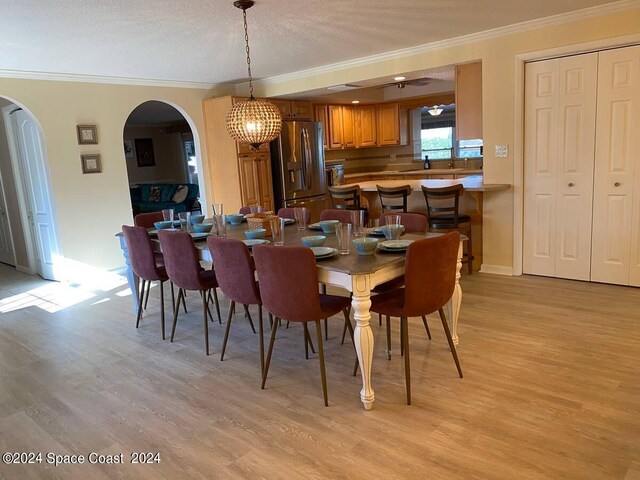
pixel 269 352
pixel 261 328
pixel 146 298
pixel 306 341
pixel 162 308
pixel 205 310
pixel 323 372
pixel 175 313
pixel 248 315
pixel 287 325
pixel 215 296
pixel 184 301
pixel 271 321
pixel 344 333
pixel 407 363
pixel 469 253
pixel 388 322
pixel 140 298
pixel 204 297
pixel 426 326
pixel 313 350
pixel 401 342
pixel 326 329
pixel 450 340
pixel 380 319
pixel 173 296
pixel 226 330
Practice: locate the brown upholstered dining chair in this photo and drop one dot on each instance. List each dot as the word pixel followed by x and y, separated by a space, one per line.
pixel 293 270
pixel 147 220
pixel 287 212
pixel 344 216
pixel 183 268
pixel 443 207
pixel 430 275
pixel 144 265
pixel 412 222
pixel 390 195
pixel 235 273
pixel 244 210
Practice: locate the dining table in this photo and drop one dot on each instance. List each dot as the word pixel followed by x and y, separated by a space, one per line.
pixel 357 274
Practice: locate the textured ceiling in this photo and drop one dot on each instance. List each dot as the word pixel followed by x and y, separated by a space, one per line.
pixel 202 40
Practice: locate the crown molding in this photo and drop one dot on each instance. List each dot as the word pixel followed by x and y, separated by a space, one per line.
pixel 72 77
pixel 563 18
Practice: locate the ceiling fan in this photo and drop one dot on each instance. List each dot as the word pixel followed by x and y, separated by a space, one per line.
pixel 416 82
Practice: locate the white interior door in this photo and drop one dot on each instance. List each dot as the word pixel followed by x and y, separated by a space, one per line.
pixel 7 254
pixel 560 112
pixel 616 221
pixel 29 147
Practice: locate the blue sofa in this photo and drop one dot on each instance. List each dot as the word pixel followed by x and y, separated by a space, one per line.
pixel 142 201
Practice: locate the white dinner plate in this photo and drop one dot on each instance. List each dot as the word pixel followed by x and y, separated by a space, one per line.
pixel 315 226
pixel 376 232
pixel 255 241
pixel 396 244
pixel 289 221
pixel 324 252
pixel 198 236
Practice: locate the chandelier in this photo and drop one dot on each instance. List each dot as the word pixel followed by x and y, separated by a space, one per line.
pixel 252 121
pixel 435 111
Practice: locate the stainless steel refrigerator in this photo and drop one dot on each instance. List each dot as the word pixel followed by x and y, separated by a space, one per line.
pixel 297 161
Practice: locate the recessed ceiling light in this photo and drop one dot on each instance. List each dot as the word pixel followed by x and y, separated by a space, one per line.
pixel 399 79
pixel 355 101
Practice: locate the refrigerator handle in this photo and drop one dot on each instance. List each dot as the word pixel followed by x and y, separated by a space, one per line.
pixel 306 168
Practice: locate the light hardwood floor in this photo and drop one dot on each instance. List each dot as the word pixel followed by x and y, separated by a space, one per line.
pixel 551 390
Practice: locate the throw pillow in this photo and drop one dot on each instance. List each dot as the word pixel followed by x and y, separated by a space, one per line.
pixel 181 194
pixel 154 194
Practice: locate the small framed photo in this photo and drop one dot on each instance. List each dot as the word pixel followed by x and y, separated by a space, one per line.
pixel 87 134
pixel 91 164
pixel 128 149
pixel 144 152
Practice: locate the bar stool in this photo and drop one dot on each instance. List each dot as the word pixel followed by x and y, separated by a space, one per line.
pixel 394 193
pixel 347 199
pixel 430 275
pixel 443 207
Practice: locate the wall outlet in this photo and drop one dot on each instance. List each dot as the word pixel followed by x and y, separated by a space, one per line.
pixel 502 151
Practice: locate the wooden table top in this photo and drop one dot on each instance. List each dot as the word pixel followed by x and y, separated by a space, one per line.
pixel 473 183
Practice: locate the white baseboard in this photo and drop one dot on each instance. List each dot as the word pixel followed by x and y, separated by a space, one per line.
pixel 496 269
pixel 23 269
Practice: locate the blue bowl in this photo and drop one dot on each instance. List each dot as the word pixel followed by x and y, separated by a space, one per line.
pixel 255 233
pixel 202 227
pixel 235 218
pixel 391 232
pixel 313 240
pixel 365 245
pixel 163 225
pixel 329 226
pixel 197 219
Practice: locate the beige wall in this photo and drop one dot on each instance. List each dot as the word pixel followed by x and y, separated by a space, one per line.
pixel 167 150
pixel 90 209
pixel 499 64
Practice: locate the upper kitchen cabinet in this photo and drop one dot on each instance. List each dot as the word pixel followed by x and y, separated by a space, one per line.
pixel 341 126
pixel 366 126
pixel 469 101
pixel 388 124
pixel 294 109
pixel 321 114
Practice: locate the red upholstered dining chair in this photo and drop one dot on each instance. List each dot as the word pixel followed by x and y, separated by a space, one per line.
pixel 293 270
pixel 147 220
pixel 144 265
pixel 235 273
pixel 244 210
pixel 344 216
pixel 412 222
pixel 183 268
pixel 430 275
pixel 288 213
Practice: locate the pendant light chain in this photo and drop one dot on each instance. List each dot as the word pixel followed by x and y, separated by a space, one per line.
pixel 246 40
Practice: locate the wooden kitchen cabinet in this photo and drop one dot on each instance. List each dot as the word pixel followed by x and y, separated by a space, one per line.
pixel 294 109
pixel 237 176
pixel 469 101
pixel 334 114
pixel 348 127
pixel 388 124
pixel 366 126
pixel 321 114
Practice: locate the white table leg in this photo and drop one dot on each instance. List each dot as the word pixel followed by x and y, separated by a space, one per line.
pixel 453 307
pixel 363 336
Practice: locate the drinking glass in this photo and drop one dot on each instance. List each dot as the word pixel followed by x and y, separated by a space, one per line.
pixel 256 208
pixel 167 214
pixel 343 233
pixel 221 225
pixel 393 228
pixel 217 209
pixel 185 221
pixel 357 218
pixel 301 218
pixel 277 231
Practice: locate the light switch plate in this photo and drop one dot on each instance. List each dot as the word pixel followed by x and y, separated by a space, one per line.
pixel 502 151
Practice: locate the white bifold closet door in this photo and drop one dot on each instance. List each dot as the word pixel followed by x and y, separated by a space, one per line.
pixel 616 212
pixel 560 120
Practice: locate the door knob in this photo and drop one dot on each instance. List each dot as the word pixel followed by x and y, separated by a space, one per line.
pixel 571 184
pixel 617 184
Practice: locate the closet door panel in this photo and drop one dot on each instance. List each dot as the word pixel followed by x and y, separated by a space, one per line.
pixel 616 191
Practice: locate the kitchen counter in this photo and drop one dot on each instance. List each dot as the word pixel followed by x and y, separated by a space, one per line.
pixel 415 173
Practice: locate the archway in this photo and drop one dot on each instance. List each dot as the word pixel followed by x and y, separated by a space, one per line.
pixel 161 149
pixel 28 229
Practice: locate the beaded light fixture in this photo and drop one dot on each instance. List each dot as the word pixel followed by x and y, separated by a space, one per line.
pixel 252 121
pixel 435 111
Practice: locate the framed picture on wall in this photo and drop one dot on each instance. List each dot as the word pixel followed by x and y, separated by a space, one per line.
pixel 128 149
pixel 87 134
pixel 91 163
pixel 144 152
